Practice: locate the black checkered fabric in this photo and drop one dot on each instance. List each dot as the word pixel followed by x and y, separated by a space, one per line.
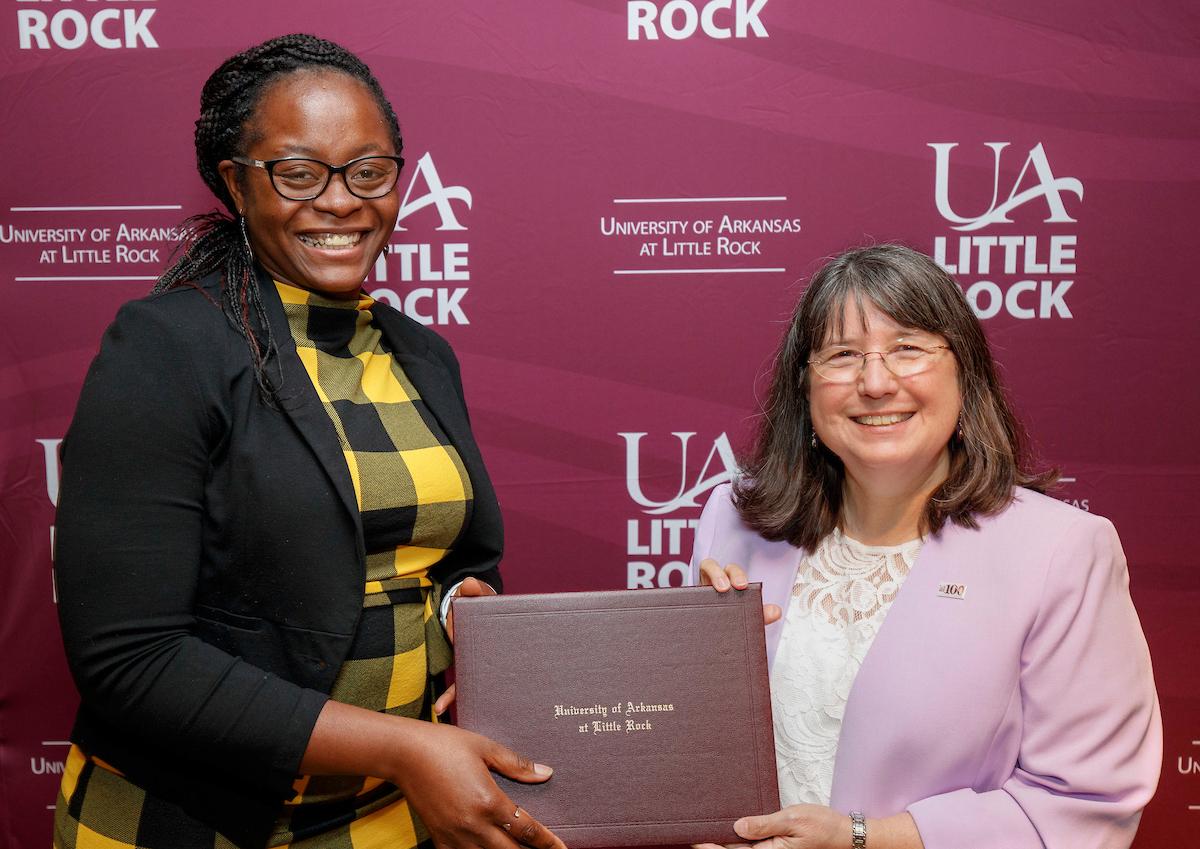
pixel 413 492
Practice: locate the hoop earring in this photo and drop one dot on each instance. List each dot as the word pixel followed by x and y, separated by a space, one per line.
pixel 245 236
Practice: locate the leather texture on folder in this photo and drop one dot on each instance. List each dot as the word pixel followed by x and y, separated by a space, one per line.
pixel 651 705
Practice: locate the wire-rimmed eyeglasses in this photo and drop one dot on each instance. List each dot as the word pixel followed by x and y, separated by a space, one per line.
pixel 843 365
pixel 368 177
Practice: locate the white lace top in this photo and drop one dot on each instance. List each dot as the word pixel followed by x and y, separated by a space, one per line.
pixel 842 593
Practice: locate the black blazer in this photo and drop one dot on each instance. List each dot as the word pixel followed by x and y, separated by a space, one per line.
pixel 209 552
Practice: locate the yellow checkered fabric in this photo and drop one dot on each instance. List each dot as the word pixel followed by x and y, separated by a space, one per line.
pixel 98 808
pixel 413 492
pixel 415 501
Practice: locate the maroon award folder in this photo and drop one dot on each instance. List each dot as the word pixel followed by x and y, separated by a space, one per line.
pixel 651 705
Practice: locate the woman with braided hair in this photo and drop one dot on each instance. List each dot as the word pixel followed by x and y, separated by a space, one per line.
pixel 253 581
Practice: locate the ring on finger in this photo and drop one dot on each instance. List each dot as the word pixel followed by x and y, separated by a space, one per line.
pixel 516 815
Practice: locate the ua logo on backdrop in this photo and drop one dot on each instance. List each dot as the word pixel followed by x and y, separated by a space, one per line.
pixel 50 449
pixel 685 497
pixel 1048 187
pixel 438 195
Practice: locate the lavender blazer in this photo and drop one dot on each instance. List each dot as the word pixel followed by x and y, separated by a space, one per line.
pixel 1021 715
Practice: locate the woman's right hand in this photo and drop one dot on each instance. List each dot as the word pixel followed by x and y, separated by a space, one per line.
pixel 448 783
pixel 443 771
pixel 711 574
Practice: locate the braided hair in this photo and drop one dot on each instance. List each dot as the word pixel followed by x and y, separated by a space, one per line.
pixel 213 241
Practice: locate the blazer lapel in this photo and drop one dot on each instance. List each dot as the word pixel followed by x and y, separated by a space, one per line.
pixel 432 381
pixel 431 376
pixel 301 403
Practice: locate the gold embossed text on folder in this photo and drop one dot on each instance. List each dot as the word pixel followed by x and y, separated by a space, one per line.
pixel 651 705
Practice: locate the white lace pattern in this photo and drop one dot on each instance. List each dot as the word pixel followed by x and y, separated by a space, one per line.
pixel 842 593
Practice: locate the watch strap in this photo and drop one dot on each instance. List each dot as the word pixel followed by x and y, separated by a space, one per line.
pixel 858 830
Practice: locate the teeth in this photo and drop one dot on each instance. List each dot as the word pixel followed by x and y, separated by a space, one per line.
pixel 332 240
pixel 877 421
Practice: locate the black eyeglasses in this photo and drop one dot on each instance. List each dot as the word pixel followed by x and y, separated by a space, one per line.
pixel 305 179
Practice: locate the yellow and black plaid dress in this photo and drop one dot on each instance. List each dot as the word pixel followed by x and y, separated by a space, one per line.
pixel 415 500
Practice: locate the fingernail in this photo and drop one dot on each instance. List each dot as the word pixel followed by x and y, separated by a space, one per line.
pixel 740 826
pixel 542 769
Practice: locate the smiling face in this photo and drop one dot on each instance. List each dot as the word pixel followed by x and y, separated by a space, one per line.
pixel 890 433
pixel 327 244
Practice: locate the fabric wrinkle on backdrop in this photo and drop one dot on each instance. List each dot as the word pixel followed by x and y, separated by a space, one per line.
pixel 610 207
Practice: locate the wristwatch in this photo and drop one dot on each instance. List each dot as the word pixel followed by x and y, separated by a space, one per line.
pixel 858 830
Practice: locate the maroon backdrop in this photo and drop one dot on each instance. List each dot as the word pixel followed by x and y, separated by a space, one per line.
pixel 610 208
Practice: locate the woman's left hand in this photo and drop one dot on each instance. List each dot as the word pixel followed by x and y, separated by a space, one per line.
pixel 797 827
pixel 819 827
pixel 470 588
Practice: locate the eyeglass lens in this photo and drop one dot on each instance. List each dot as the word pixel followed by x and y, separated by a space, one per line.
pixel 846 364
pixel 306 179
